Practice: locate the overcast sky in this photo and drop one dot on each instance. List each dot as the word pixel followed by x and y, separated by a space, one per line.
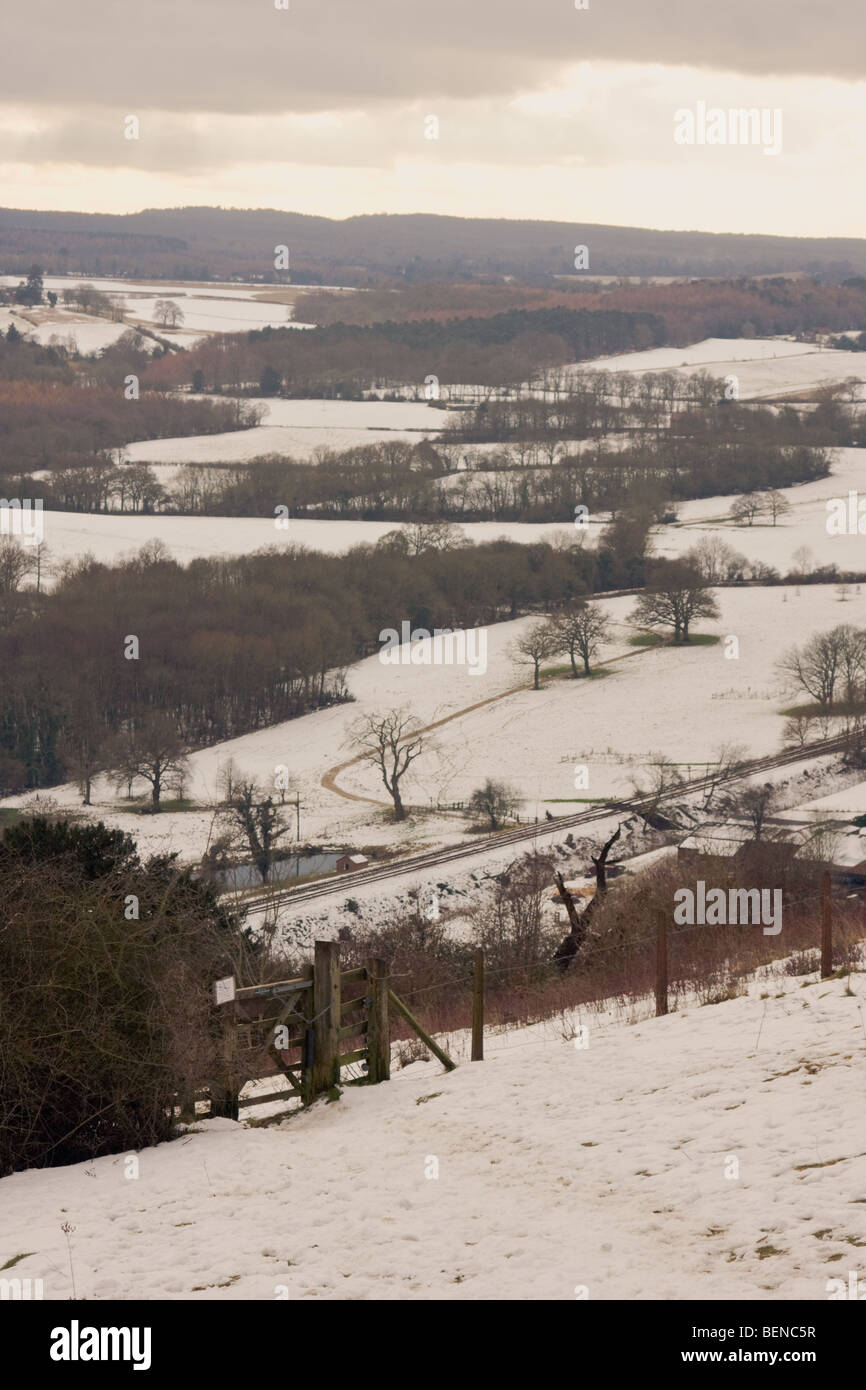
pixel 543 110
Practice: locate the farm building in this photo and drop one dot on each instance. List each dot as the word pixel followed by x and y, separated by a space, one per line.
pixel 734 840
pixel 347 863
pixel 789 839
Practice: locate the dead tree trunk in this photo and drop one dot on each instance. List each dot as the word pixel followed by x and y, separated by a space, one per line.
pixel 571 944
pixel 600 862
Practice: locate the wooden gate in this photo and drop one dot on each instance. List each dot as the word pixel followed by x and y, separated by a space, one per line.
pixel 309 1028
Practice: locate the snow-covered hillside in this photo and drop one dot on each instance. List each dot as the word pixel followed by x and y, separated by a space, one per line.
pixel 680 703
pixel 207 309
pixel 110 535
pixel 805 526
pixel 763 366
pixel 296 428
pixel 712 1154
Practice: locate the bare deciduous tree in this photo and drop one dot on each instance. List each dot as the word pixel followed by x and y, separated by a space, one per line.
pixel 253 817
pixel 775 503
pixel 494 802
pixel 581 628
pixel 390 742
pixel 82 742
pixel 754 803
pixel 745 508
pixel 661 778
pixel 715 560
pixel 424 536
pixel 825 662
pixel 675 595
pixel 17 563
pixel 166 312
pixel 569 947
pixel 798 729
pixel 155 753
pixel 539 643
pixel 512 926
pixel 729 757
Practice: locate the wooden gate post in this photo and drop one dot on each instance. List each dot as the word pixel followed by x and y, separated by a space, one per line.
pixel 378 1033
pixel 326 1017
pixel 661 963
pixel 224 1089
pixel 826 927
pixel 309 1045
pixel 478 1008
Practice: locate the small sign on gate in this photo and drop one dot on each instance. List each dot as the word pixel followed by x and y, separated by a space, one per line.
pixel 224 990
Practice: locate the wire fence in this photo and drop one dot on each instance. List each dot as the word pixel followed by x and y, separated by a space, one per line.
pixel 653 954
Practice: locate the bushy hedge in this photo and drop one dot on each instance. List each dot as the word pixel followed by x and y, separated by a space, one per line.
pixel 105 1015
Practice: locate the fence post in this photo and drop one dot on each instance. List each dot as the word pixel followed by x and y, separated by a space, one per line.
pixel 186 1107
pixel 478 1008
pixel 826 927
pixel 309 1046
pixel 661 963
pixel 224 1088
pixel 326 1017
pixel 378 1034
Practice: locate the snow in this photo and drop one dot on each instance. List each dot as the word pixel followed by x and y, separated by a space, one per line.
pixel 708 352
pixel 679 703
pixel 682 703
pixel 109 535
pixel 90 334
pixel 210 316
pixel 411 416
pixel 558 1167
pixel 763 366
pixel 805 525
pixel 41 325
pixel 562 1172
pixel 296 428
pixel 838 806
pixel 207 309
pixel 240 446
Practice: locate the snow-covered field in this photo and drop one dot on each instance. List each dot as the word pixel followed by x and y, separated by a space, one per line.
pixel 110 535
pixel 207 309
pixel 84 333
pixel 762 366
pixel 715 1153
pixel 676 703
pixel 681 703
pixel 298 427
pixel 107 536
pixel 840 806
pixel 206 314
pixel 805 525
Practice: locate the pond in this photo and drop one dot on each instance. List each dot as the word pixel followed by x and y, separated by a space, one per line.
pixel 296 866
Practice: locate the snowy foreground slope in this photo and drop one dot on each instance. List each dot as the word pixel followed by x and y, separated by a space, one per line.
pixel 558 1167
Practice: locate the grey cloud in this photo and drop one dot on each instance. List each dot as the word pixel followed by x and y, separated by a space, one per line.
pixel 238 56
pixel 623 119
pixel 469 132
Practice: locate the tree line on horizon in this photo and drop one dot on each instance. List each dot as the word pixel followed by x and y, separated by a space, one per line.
pixel 202 243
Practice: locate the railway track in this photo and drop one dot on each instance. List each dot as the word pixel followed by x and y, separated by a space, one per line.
pixel 399 868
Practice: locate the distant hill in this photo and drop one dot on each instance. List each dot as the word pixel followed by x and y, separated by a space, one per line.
pixel 203 243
